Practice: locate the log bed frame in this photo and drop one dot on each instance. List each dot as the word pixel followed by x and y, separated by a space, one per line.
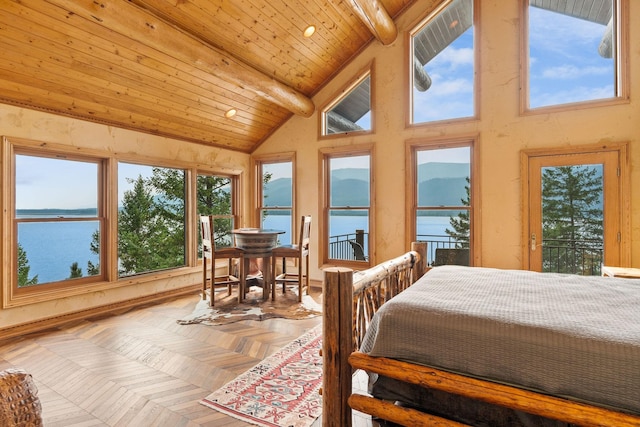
pixel 351 299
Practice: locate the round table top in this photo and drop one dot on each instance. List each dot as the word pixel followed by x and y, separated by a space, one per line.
pixel 257 231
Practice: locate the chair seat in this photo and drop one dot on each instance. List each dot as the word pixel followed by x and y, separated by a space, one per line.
pixel 235 252
pixel 285 250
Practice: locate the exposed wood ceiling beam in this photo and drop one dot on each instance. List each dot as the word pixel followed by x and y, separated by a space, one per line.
pixel 133 22
pixel 377 19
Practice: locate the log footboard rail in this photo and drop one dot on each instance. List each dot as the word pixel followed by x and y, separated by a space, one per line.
pixel 351 299
pixel 349 302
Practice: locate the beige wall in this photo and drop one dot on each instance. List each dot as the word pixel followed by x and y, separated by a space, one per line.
pixel 22 123
pixel 502 133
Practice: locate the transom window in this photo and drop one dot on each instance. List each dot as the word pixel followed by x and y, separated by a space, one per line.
pixel 442 64
pixel 351 112
pixel 573 51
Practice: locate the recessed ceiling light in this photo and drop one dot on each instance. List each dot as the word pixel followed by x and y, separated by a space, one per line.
pixel 308 32
pixel 230 113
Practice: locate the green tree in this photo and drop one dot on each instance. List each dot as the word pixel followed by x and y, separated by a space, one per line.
pixel 145 241
pixel 460 224
pixel 214 198
pixel 75 271
pixel 94 269
pixel 572 215
pixel 23 269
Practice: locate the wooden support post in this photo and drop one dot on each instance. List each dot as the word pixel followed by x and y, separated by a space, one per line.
pixel 421 266
pixel 337 345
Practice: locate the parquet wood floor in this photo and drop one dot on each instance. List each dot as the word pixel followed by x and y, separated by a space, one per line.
pixel 140 368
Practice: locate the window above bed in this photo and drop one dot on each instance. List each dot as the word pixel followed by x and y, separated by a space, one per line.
pixel 573 52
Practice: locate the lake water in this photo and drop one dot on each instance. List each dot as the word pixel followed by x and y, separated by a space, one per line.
pixel 53 247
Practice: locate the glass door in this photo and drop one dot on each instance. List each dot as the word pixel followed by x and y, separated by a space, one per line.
pixel 574 212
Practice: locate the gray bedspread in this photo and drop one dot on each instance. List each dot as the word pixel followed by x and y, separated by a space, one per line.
pixel 569 336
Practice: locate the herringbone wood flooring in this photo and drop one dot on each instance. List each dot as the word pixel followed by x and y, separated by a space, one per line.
pixel 140 368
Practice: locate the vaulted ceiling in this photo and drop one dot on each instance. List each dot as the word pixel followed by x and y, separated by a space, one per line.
pixel 175 67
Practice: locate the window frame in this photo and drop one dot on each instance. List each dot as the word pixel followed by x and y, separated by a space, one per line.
pixel 258 171
pixel 14 296
pixel 325 155
pixel 622 73
pixel 345 91
pixel 412 147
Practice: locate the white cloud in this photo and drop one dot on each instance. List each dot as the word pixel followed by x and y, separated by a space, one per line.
pixel 576 94
pixel 572 72
pixel 452 58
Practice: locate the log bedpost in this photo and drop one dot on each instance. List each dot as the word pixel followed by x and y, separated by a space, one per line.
pixel 337 345
pixel 421 266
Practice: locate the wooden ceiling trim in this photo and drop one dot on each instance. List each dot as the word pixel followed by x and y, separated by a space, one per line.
pixel 377 19
pixel 24 94
pixel 130 20
pixel 62 72
pixel 92 103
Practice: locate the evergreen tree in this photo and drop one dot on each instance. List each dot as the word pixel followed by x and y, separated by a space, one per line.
pixel 23 269
pixel 144 237
pixel 75 271
pixel 214 198
pixel 461 224
pixel 572 214
pixel 94 269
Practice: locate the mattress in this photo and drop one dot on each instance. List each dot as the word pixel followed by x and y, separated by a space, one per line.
pixel 568 336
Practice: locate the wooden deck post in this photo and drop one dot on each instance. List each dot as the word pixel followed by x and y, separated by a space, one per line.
pixel 337 345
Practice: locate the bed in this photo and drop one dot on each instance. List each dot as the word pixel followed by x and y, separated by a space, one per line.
pixel 480 346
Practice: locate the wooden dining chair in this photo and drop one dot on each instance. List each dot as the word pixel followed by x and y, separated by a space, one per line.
pixel 299 251
pixel 209 255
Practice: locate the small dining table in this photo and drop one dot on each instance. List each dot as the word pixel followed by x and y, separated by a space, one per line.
pixel 257 243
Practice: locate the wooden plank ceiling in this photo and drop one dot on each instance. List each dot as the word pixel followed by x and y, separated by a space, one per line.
pixel 174 67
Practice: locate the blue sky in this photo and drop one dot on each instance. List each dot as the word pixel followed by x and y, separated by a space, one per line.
pixel 65 184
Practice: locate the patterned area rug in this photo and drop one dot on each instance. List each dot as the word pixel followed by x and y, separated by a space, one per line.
pixel 280 391
pixel 227 309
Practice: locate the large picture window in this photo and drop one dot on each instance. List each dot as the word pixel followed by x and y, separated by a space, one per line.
pixel 442 64
pixel 275 194
pixel 444 201
pixel 58 219
pixel 151 218
pixel 347 206
pixel 572 51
